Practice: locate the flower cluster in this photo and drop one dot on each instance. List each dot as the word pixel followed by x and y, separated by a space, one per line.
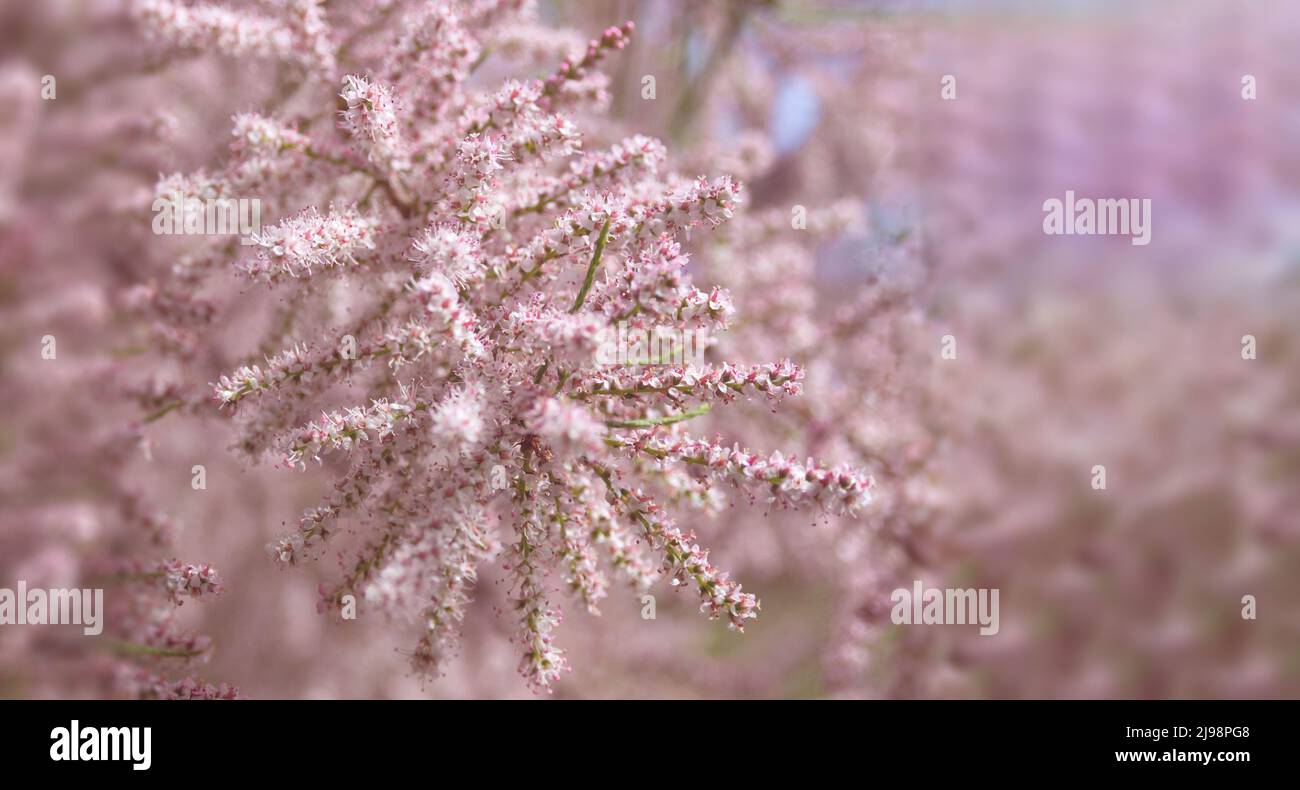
pixel 371 118
pixel 185 580
pixel 483 253
pixel 787 482
pixel 297 244
pixel 188 689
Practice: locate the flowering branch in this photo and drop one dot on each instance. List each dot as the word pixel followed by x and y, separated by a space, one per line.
pixel 467 229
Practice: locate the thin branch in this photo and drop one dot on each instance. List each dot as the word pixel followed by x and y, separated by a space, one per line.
pixel 651 422
pixel 591 268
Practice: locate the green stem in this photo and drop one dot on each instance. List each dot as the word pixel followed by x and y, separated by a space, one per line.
pixel 136 649
pixel 164 411
pixel 127 577
pixel 650 422
pixel 479 60
pixel 591 268
pixel 646 390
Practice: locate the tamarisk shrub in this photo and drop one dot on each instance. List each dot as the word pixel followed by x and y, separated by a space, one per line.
pixel 446 261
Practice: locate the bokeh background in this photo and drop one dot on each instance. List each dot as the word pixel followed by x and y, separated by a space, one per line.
pixel 925 222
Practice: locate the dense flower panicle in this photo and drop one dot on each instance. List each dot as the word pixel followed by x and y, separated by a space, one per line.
pixel 456 576
pixel 632 223
pixel 177 308
pixel 431 58
pixel 582 574
pixel 722 383
pixel 260 136
pixel 541 662
pixel 487 260
pixel 575 232
pixel 162 637
pixel 574 81
pixel 529 42
pixel 309 240
pixel 659 288
pixel 375 463
pixel 545 137
pixel 452 252
pixel 684 561
pixel 564 424
pixel 472 185
pixel 342 430
pixel 535 327
pixel 702 202
pixel 313 39
pixel 457 422
pixel 371 118
pixel 624 163
pixel 199 184
pixel 289 365
pixel 623 549
pixel 643 155
pixel 210 26
pixel 714 307
pixel 184 580
pixel 186 689
pixel 441 302
pixel 511 102
pixel 787 482
pixel 397 582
